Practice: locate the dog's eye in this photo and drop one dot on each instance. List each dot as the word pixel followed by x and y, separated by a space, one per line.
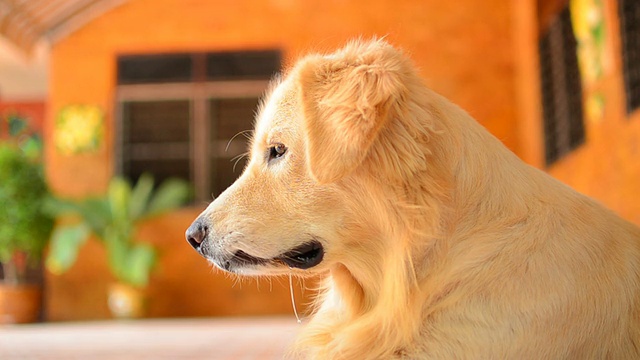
pixel 277 151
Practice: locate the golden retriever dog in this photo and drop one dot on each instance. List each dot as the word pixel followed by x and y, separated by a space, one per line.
pixel 437 242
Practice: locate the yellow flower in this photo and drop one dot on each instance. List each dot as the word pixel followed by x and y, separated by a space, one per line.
pixel 78 129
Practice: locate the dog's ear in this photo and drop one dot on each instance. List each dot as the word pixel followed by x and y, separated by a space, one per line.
pixel 346 99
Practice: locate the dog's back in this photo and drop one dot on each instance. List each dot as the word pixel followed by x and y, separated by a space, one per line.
pixel 532 269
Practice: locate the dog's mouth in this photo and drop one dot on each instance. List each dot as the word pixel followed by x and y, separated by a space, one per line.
pixel 302 257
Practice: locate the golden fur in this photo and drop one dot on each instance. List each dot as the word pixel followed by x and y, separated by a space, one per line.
pixel 439 242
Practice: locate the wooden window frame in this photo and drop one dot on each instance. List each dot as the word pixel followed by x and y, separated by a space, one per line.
pixel 198 94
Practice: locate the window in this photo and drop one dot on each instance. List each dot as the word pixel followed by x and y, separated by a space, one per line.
pixel 561 89
pixel 630 36
pixel 156 139
pixel 230 117
pixel 242 65
pixel 177 117
pixel 155 69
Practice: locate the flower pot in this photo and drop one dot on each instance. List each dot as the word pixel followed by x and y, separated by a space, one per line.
pixel 20 303
pixel 126 301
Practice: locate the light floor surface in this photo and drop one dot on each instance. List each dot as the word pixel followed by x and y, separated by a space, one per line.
pixel 220 338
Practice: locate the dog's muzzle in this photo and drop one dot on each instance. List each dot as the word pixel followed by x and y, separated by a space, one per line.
pixel 303 256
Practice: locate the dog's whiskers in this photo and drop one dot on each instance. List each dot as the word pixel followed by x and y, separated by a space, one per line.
pixel 243 132
pixel 238 158
pixel 293 300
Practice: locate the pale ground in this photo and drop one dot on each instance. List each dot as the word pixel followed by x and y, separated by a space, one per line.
pixel 223 338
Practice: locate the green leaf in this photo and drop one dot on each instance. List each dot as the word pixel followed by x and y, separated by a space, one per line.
pixel 59 207
pixel 598 34
pixel 141 259
pixel 117 249
pixel 140 196
pixel 119 196
pixel 170 195
pixel 113 218
pixel 24 226
pixel 16 125
pixel 130 262
pixel 32 147
pixel 65 245
pixel 95 212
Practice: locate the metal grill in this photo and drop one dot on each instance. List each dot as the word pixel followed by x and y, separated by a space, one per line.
pixel 229 117
pixel 156 139
pixel 561 89
pixel 630 35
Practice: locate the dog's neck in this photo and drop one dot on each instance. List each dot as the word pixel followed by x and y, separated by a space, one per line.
pixel 374 286
pixel 416 214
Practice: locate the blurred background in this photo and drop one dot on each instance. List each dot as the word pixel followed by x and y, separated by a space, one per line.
pixel 114 89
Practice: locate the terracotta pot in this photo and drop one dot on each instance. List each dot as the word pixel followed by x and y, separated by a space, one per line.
pixel 126 301
pixel 20 303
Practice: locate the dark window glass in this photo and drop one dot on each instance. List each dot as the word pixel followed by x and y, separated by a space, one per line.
pixel 242 65
pixel 156 139
pixel 561 89
pixel 145 69
pixel 230 119
pixel 157 121
pixel 630 35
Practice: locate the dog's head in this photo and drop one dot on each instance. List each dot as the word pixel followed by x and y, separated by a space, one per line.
pixel 313 133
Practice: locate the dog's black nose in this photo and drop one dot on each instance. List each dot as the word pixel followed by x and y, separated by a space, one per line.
pixel 197 233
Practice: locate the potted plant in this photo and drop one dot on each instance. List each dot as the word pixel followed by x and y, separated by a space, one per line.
pixel 25 229
pixel 113 220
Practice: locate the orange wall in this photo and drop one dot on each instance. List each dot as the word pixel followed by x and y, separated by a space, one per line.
pixel 463 49
pixel 607 165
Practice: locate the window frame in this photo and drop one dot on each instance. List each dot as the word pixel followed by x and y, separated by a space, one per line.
pixel 198 94
pixel 562 120
pixel 629 68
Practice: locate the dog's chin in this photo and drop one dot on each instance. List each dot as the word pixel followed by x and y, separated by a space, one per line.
pixel 302 257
